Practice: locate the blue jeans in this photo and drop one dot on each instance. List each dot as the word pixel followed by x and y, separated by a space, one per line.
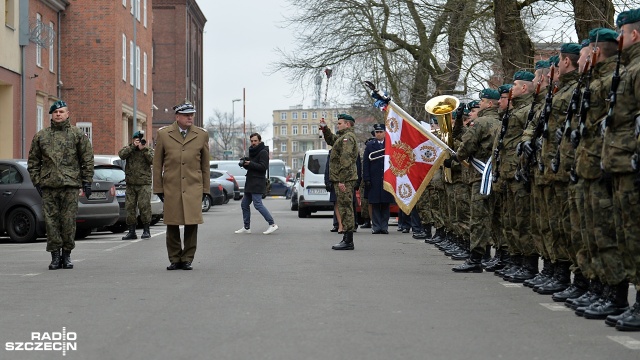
pixel 247 199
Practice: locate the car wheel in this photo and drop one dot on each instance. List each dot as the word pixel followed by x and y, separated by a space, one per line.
pixel 293 205
pixel 82 233
pixel 117 228
pixel 21 225
pixel 206 203
pixel 303 213
pixel 226 197
pixel 155 220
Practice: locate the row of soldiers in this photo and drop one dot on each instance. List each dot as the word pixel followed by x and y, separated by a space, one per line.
pixel 562 144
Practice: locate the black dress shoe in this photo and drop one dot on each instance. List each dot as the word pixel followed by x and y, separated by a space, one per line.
pixel 175 266
pixel 334 229
pixel 187 265
pixel 405 231
pixel 366 226
pixel 384 232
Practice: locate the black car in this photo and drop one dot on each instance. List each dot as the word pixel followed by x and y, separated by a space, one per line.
pixel 215 196
pixel 21 214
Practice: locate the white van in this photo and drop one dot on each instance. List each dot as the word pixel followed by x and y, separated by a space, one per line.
pixel 312 194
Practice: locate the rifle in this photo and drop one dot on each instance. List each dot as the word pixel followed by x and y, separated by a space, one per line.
pixel 503 131
pixel 542 129
pixel 565 131
pixel 615 81
pixel 581 131
pixel 522 173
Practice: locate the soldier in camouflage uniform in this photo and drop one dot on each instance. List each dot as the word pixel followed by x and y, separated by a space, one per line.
pixel 343 172
pixel 138 177
pixel 60 162
pixel 477 142
pixel 598 192
pixel 620 146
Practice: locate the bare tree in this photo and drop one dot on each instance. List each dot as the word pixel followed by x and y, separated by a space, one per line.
pixel 227 135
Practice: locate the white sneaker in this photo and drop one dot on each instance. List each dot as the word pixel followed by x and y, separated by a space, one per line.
pixel 243 231
pixel 271 229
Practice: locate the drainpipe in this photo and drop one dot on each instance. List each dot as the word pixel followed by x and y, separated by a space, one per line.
pixel 59 82
pixel 23 41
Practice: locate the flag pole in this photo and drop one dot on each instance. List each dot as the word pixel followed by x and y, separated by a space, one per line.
pixel 244 121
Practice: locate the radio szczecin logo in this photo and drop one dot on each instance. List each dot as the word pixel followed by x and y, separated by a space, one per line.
pixel 46 341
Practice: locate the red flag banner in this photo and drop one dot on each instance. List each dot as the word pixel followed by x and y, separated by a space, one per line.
pixel 412 156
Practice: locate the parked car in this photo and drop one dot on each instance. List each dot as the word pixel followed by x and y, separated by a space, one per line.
pixel 232 167
pixel 21 214
pixel 215 196
pixel 105 162
pixel 228 182
pixel 312 194
pixel 280 186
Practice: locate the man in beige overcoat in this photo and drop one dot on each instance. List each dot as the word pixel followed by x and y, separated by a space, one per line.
pixel 181 180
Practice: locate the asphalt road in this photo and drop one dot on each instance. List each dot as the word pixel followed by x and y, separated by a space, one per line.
pixel 281 296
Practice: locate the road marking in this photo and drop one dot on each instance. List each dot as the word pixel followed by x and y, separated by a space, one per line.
pixel 626 341
pixel 556 306
pixel 34 274
pixel 511 285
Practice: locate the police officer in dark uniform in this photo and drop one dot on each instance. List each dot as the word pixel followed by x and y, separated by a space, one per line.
pixel 373 176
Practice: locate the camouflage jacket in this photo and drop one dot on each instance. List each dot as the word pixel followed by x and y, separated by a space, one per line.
pixel 138 168
pixel 620 140
pixel 477 141
pixel 590 147
pixel 60 156
pixel 517 119
pixel 344 153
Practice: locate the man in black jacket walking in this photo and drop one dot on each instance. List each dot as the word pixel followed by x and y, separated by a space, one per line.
pixel 256 184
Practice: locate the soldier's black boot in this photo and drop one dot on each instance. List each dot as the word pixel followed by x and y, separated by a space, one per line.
pixel 131 235
pixel 600 292
pixel 464 252
pixel 55 260
pixel 499 260
pixel 145 232
pixel 543 276
pixel 612 320
pixel 512 264
pixel 561 279
pixel 66 259
pixel 528 270
pixel 579 286
pixel 472 265
pixel 486 258
pixel 614 304
pixel 631 322
pixel 592 294
pixel 346 243
pixel 438 237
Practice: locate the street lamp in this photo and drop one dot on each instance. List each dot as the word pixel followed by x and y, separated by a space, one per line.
pixel 233 112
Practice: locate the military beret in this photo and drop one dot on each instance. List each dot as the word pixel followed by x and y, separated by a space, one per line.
pixel 554 60
pixel 504 89
pixel 57 105
pixel 585 43
pixel 465 111
pixel 523 75
pixel 628 17
pixel 570 48
pixel 346 117
pixel 184 108
pixel 137 134
pixel 542 64
pixel 378 127
pixel 603 35
pixel 473 104
pixel 491 94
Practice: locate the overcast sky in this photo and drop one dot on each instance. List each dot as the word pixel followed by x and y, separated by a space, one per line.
pixel 240 38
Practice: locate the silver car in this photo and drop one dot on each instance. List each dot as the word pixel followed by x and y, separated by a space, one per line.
pixel 230 185
pixel 232 167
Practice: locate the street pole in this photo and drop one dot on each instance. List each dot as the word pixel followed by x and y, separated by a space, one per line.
pixel 232 123
pixel 134 51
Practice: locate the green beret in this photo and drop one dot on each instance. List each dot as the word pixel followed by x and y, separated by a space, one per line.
pixel 491 94
pixel 542 64
pixel 346 117
pixel 473 104
pixel 465 111
pixel 570 48
pixel 137 134
pixel 555 60
pixel 523 75
pixel 504 89
pixel 628 17
pixel 57 105
pixel 603 35
pixel 585 43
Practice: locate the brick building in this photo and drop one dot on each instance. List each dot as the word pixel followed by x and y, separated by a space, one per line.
pixel 177 33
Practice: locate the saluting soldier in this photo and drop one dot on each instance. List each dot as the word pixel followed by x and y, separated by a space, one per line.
pixel 60 162
pixel 343 172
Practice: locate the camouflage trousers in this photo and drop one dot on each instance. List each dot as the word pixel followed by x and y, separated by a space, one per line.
pixel 571 224
pixel 364 209
pixel 626 203
pixel 495 211
pixel 479 219
pixel 517 208
pixel 540 232
pixel 138 197
pixel 60 208
pixel 557 204
pixel 462 201
pixel 345 205
pixel 449 207
pixel 424 205
pixel 599 232
pixel 578 223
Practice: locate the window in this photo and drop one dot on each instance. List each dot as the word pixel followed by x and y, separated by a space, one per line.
pixel 9 175
pixel 295 163
pixel 39 118
pixel 294 130
pixel 38 47
pixel 124 56
pixel 305 146
pixel 314 115
pixel 294 146
pixel 131 62
pixel 138 67
pixel 283 147
pixel 87 128
pixel 305 129
pixel 9 13
pixel 145 72
pixel 304 115
pixel 124 3
pixel 283 130
pixel 314 130
pixel 137 9
pixel 144 14
pixel 324 114
pixel 335 114
pixel 283 116
pixel 294 115
pixel 51 56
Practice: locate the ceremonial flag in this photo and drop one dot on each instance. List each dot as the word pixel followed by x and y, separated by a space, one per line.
pixel 412 156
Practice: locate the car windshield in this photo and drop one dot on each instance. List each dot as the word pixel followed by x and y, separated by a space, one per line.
pixel 108 173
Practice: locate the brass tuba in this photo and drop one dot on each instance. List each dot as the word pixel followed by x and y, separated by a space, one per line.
pixel 442 107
